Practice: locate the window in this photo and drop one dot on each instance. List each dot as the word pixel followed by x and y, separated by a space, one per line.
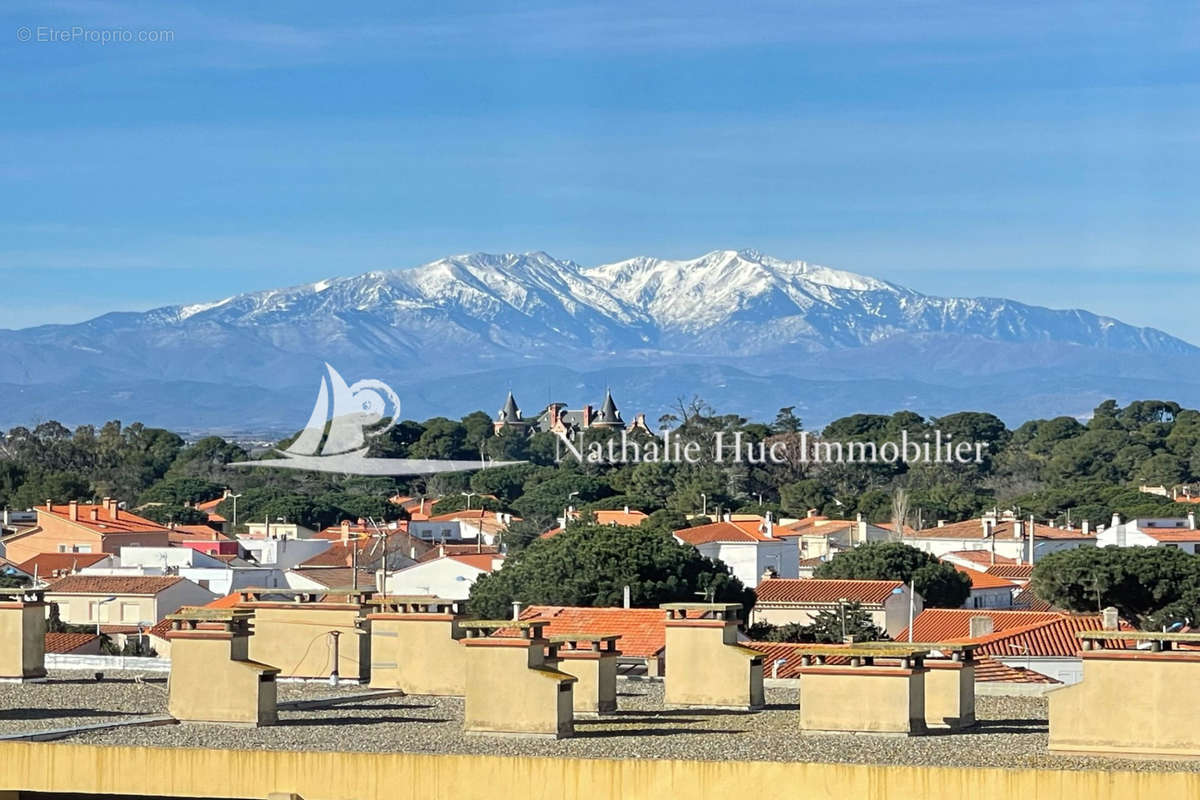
pixel 62 548
pixel 93 609
pixel 129 612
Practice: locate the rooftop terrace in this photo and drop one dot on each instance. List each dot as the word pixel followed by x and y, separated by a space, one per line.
pixel 1012 731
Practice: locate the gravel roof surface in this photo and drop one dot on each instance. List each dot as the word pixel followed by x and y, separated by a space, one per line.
pixel 1012 731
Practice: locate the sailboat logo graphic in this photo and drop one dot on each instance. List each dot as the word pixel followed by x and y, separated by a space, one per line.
pixel 343 418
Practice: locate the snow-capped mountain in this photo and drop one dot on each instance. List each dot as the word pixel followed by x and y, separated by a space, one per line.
pixel 479 312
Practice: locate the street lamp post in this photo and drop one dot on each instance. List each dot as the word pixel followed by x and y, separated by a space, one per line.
pixel 99 605
pixel 842 608
pixel 234 497
pixel 468 495
pixel 704 506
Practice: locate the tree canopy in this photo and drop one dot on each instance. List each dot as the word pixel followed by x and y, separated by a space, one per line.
pixel 590 565
pixel 939 584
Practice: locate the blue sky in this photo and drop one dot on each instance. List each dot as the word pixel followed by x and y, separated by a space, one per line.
pixel 1041 151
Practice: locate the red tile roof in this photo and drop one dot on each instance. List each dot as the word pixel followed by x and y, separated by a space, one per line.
pixel 643 630
pixel 815 590
pixel 1003 529
pixel 985 580
pixel 484 562
pixel 745 531
pixel 210 505
pixel 983 558
pixel 51 564
pixel 68 642
pixel 337 577
pixel 1016 572
pixel 1053 638
pixel 620 517
pixel 782 660
pixel 125 522
pixel 228 601
pixel 443 550
pixel 952 624
pixel 1028 600
pixel 190 533
pixel 1017 633
pixel 113 584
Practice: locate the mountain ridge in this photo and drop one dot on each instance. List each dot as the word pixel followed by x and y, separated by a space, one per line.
pixel 477 313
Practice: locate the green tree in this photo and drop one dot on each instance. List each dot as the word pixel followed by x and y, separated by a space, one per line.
pixel 941 585
pixel 589 565
pixel 1138 581
pixel 833 626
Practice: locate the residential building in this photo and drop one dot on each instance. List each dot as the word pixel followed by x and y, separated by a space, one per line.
pixel 50 566
pixel 749 548
pixel 822 537
pixel 1176 533
pixel 14 571
pixel 449 577
pixel 557 418
pixel 988 590
pixel 783 601
pixel 213 573
pixel 282 554
pixel 278 530
pixel 1044 642
pixel 81 528
pixel 122 600
pixel 1001 533
pixel 322 578
pixel 458 526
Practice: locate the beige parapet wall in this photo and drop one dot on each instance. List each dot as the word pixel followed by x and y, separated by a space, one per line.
pixel 212 679
pixel 22 635
pixel 1129 702
pixel 296 634
pixel 512 687
pixel 415 646
pixel 167 772
pixel 706 667
pixel 593 662
pixel 865 699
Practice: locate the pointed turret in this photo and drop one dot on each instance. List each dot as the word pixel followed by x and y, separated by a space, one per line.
pixel 609 416
pixel 509 416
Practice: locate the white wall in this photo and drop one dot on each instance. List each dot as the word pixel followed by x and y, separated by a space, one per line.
pixel 1064 668
pixel 283 554
pixel 443 577
pixel 749 560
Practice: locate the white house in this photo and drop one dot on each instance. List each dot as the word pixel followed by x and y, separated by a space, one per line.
pixel 1173 532
pixel 283 554
pixel 1002 534
pixel 749 548
pixel 449 577
pixel 782 601
pixel 206 571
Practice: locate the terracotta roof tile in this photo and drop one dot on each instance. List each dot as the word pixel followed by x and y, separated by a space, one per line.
pixel 815 590
pixel 51 564
pixel 951 624
pixel 643 631
pixel 982 558
pixel 443 550
pixel 1003 529
pixel 1014 572
pixel 746 531
pixel 485 561
pixel 985 580
pixel 126 522
pixel 782 660
pixel 113 584
pixel 68 642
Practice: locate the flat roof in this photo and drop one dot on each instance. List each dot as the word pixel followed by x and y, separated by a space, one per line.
pixel 1011 731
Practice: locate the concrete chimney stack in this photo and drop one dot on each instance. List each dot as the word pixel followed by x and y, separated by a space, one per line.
pixel 1086 528
pixel 981 626
pixel 73 510
pixel 1111 621
pixel 1191 520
